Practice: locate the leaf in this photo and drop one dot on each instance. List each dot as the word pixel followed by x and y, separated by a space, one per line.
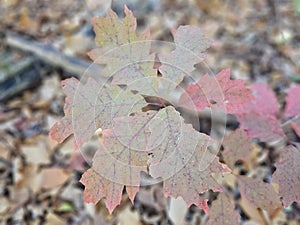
pixel 259 194
pixel 292 108
pixel 216 92
pixel 190 44
pixel 187 171
pixel 237 146
pixel 258 117
pixel 124 150
pixel 53 177
pixel 111 32
pixel 97 187
pixel 90 106
pixel 287 175
pixel 125 54
pixel 222 212
pixel 63 129
pixel 266 128
pixel 264 102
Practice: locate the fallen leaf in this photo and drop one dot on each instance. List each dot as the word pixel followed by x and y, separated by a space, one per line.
pixel 53 177
pixel 287 175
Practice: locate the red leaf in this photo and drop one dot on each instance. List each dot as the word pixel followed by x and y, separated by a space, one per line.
pixel 264 102
pixel 259 194
pixel 266 128
pixel 293 102
pixel 222 212
pixel 97 187
pixel 216 92
pixel 287 175
pixel 258 117
pixel 237 146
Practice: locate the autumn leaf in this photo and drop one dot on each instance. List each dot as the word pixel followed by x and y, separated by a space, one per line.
pixel 237 146
pixel 287 175
pixel 264 101
pixel 125 54
pixel 222 212
pixel 266 128
pixel 63 128
pixel 125 147
pixel 216 92
pixel 91 106
pixel 259 194
pixel 259 117
pixel 182 173
pixel 292 108
pixel 190 45
pixel 293 102
pixel 97 187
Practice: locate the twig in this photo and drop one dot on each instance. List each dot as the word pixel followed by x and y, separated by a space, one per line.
pixel 290 121
pixel 48 53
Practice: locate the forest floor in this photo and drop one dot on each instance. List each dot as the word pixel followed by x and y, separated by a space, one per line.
pixel 39 178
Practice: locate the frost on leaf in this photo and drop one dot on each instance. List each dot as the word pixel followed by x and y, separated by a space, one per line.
pixel 258 118
pixel 216 92
pixel 287 175
pixel 190 45
pixel 237 146
pixel 90 106
pixel 125 54
pixel 222 212
pixel 191 152
pixel 259 194
pixel 97 187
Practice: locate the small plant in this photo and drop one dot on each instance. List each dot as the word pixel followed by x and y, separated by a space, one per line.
pixel 147 105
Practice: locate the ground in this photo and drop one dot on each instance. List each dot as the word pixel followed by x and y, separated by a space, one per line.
pixel 39 178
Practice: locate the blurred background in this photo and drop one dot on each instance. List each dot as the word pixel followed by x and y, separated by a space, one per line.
pixel 43 42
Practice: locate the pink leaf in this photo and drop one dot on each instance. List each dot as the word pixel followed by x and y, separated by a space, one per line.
pixel 220 91
pixel 287 175
pixel 259 194
pixel 237 146
pixel 266 128
pixel 222 212
pixel 293 102
pixel 264 102
pixel 258 117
